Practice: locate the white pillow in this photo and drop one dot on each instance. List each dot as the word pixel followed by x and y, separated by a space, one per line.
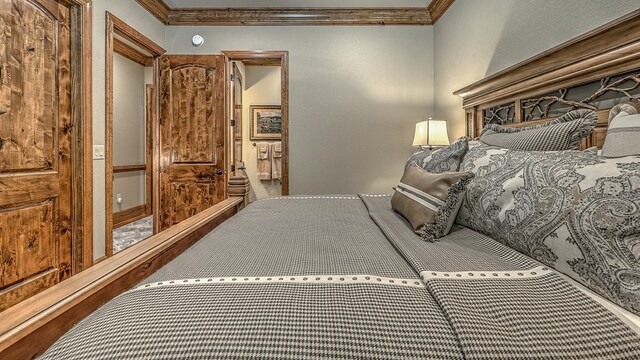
pixel 622 136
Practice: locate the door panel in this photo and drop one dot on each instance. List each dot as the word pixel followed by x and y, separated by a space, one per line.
pixel 192 95
pixel 192 136
pixel 30 239
pixel 35 147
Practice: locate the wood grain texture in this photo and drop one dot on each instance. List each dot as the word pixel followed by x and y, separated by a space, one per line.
pixel 35 146
pixel 134 36
pixel 129 168
pixel 155 165
pixel 299 16
pixel 437 8
pixel 82 135
pixel 124 217
pixel 157 8
pixel 29 129
pixel 270 16
pixel 284 74
pixel 612 49
pixel 151 117
pixel 131 53
pixel 261 62
pixel 239 186
pixel 108 137
pixel 280 58
pixel 192 141
pixel 30 327
pixel 28 242
pixel 39 282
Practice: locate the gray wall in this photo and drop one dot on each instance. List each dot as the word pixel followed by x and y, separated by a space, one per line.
pixel 133 14
pixel 129 131
pixel 262 87
pixel 475 39
pixel 355 94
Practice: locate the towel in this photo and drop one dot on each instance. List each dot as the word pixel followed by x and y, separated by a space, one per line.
pixel 264 161
pixel 276 160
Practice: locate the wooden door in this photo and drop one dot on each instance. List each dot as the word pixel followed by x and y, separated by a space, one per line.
pixel 237 115
pixel 35 148
pixel 192 136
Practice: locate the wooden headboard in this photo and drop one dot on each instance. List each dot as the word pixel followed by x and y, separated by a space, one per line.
pixel 594 71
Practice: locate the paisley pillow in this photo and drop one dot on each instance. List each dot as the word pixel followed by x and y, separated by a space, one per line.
pixel 571 210
pixel 447 159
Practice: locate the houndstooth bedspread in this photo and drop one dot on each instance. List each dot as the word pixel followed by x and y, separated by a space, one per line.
pixel 343 277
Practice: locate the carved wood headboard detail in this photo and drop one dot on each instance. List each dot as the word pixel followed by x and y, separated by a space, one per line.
pixel 595 71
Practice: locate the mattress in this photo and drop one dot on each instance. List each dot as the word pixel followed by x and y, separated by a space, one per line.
pixel 308 277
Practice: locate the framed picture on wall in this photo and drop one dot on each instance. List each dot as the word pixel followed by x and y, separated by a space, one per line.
pixel 266 122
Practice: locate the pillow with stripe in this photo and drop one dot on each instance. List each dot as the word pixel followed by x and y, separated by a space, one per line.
pixel 564 133
pixel 623 134
pixel 430 202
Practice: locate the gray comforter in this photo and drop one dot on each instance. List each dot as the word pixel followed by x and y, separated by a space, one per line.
pixel 345 277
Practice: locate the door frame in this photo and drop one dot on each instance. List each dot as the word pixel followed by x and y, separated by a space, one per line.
pixel 237 77
pixel 273 58
pixel 81 134
pixel 116 26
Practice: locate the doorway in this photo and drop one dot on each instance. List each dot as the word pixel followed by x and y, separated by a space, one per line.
pixel 131 116
pixel 261 105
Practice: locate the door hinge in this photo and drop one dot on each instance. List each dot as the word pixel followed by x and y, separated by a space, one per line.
pixel 233 77
pixel 233 122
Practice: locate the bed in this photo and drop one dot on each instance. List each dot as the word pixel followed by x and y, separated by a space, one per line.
pixel 346 277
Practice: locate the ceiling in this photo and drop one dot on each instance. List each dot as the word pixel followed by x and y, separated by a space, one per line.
pixel 295 3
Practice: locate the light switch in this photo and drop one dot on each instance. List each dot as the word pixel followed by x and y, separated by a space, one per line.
pixel 98 152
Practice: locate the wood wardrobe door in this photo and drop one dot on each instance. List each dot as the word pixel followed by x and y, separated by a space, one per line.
pixel 192 136
pixel 35 148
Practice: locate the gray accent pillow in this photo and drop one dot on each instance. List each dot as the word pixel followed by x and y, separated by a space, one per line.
pixel 564 133
pixel 429 201
pixel 623 134
pixel 447 159
pixel 571 210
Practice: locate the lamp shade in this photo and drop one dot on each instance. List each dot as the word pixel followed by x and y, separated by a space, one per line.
pixel 420 137
pixel 431 133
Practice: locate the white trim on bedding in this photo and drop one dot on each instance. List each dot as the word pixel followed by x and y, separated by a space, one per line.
pixel 309 197
pixel 484 275
pixel 298 279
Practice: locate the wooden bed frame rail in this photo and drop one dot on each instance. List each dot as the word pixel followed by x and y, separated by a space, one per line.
pixel 525 94
pixel 30 327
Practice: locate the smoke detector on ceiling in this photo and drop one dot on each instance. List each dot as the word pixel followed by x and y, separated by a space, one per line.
pixel 197 40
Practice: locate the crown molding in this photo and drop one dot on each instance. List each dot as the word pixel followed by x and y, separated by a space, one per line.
pixel 157 8
pixel 300 16
pixel 296 16
pixel 437 8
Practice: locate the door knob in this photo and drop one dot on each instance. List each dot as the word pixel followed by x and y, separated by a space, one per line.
pixel 219 172
pixel 3 111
